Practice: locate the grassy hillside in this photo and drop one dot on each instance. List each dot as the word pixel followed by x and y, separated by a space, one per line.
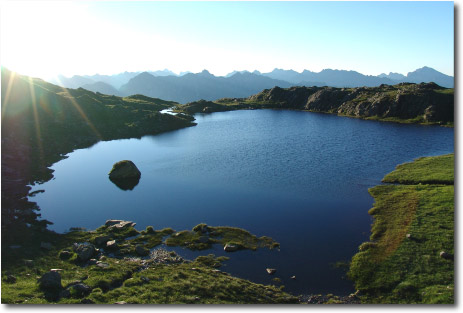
pixel 414 224
pixel 425 103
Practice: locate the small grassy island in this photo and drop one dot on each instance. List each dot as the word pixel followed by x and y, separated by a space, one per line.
pixel 410 256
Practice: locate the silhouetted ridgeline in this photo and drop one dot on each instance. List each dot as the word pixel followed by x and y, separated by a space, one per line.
pixel 42 122
pixel 405 102
pixel 188 87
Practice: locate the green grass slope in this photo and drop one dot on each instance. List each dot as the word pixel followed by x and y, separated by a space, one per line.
pixel 413 224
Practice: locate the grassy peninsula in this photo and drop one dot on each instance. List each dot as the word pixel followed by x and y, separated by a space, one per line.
pixel 410 256
pixel 425 103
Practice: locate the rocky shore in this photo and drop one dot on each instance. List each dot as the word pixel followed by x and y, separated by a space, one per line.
pixel 425 103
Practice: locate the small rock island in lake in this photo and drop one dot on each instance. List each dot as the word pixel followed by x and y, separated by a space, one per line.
pixel 125 175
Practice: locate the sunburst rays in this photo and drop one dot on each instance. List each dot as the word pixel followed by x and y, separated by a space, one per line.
pixel 81 112
pixel 8 93
pixel 36 118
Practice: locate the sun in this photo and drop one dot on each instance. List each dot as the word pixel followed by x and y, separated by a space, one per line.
pixel 37 37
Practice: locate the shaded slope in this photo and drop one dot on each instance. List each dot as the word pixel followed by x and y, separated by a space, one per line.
pixel 42 122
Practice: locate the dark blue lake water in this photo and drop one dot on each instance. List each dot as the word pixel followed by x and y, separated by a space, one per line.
pixel 301 178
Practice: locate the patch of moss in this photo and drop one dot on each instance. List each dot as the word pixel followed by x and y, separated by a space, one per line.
pixel 203 237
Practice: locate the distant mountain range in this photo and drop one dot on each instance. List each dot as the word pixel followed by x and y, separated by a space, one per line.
pixel 188 87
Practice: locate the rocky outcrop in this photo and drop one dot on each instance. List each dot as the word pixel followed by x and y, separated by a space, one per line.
pixel 124 170
pixel 125 175
pixel 294 97
pixel 420 103
pixel 203 106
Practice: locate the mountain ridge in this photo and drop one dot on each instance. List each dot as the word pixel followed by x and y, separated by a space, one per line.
pixel 188 87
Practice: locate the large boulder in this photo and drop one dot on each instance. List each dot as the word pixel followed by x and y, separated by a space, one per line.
pixel 50 281
pixel 84 251
pixel 124 170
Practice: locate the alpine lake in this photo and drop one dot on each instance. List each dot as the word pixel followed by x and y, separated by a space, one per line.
pixel 301 178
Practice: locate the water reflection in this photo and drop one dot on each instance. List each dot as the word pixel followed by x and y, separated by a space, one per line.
pixel 126 184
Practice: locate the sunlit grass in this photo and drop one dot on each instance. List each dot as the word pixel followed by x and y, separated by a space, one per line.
pixel 413 224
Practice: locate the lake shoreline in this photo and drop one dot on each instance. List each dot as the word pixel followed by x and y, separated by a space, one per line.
pixel 425 103
pixel 15 190
pixel 52 247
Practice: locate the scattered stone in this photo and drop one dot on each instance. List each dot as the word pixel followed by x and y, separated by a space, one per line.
pixel 271 271
pixel 10 279
pixel 142 251
pixel 123 170
pixel 80 290
pixel 293 277
pixel 64 255
pixel 56 270
pixel 46 245
pixel 446 256
pixel 101 240
pixel 29 263
pixel 119 224
pixel 230 247
pixel 353 296
pixel 84 251
pixel 92 262
pixel 165 257
pixel 120 302
pixel 409 236
pixel 112 222
pixel 50 280
pixel 111 244
pixel 102 264
pixel 123 224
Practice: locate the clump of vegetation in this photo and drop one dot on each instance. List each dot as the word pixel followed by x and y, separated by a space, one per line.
pixel 413 225
pixel 203 237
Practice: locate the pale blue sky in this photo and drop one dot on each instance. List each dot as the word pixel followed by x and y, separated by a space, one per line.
pixel 111 37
